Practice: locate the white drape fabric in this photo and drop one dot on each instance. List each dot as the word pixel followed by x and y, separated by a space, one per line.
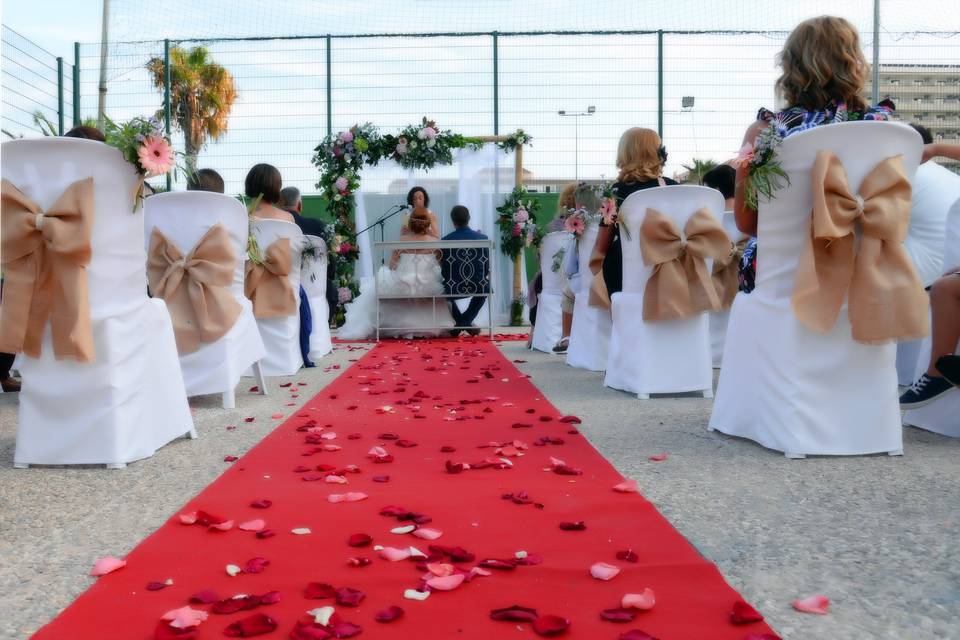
pixel 783 385
pixel 131 400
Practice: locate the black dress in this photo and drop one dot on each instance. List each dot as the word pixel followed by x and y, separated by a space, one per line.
pixel 613 261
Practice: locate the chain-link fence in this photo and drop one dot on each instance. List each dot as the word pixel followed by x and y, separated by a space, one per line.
pixel 37 89
pixel 699 88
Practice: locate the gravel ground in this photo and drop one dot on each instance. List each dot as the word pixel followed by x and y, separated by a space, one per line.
pixel 877 535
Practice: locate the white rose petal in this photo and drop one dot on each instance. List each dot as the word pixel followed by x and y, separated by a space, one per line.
pixel 321 615
pixel 413 594
pixel 233 570
pixel 301 531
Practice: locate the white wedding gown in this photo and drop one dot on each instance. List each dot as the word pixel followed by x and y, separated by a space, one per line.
pixel 416 274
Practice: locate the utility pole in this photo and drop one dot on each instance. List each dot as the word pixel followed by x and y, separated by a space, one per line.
pixel 875 89
pixel 576 135
pixel 102 100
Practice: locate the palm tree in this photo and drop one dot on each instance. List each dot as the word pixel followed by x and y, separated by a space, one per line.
pixel 201 96
pixel 696 170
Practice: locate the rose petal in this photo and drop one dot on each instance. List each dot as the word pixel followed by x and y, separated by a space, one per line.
pixel 163 631
pixel 226 525
pixel 427 533
pixel 393 554
pixel 252 525
pixel 322 615
pixel 381 478
pixel 618 615
pixel 627 486
pixel 230 458
pixel 389 614
pixel 743 613
pixel 266 533
pixel 319 591
pixel 570 420
pixel 204 597
pixel 184 617
pixel 332 479
pixel 103 566
pixel 343 629
pixel 604 571
pixel 410 528
pixel 643 601
pixel 256 565
pixel 156 586
pixel 446 583
pixel 628 555
pixel 413 594
pixel 359 561
pixel 261 504
pixel 353 496
pixel 817 604
pixel 359 540
pixel 550 625
pixel 233 570
pixel 637 634
pixel 256 625
pixel 573 526
pixel 660 457
pixel 300 531
pixel 188 518
pixel 348 597
pixel 516 613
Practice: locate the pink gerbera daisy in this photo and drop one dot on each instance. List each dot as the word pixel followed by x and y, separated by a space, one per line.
pixel 156 156
pixel 574 225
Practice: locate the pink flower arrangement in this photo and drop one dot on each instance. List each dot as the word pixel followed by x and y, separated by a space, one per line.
pixel 346 136
pixel 344 295
pixel 516 231
pixel 341 184
pixel 745 156
pixel 345 247
pixel 521 215
pixel 608 209
pixel 156 156
pixel 575 225
pixel 428 133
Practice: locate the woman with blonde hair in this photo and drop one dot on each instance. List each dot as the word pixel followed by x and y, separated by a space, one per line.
pixel 640 160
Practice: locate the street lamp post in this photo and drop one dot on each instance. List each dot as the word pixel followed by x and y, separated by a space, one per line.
pixel 576 135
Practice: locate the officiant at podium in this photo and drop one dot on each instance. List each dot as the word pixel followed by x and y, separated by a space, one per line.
pixel 469 275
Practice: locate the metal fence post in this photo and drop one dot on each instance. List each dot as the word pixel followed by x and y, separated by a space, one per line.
pixel 76 84
pixel 166 97
pixel 59 96
pixel 496 84
pixel 660 83
pixel 329 88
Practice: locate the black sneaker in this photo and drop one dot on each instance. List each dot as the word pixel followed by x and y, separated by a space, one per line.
pixel 924 391
pixel 949 367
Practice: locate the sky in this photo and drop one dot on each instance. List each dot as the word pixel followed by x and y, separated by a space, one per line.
pixel 281 113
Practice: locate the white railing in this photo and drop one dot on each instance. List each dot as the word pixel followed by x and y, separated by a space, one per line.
pixel 465 269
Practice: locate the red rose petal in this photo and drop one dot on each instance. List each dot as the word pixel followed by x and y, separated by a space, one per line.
pixel 156 586
pixel 405 444
pixel 743 613
pixel 359 540
pixel 580 525
pixel 270 597
pixel 230 458
pixel 389 614
pixel 447 449
pixel 550 625
pixel 754 636
pixel 206 519
pixel 249 419
pixel 256 565
pixel 636 634
pixel 319 591
pixel 345 629
pixel 502 565
pixel 516 613
pixel 618 615
pixel 628 555
pixel 261 504
pixel 359 561
pixel 204 597
pixel 521 425
pixel 381 478
pixel 256 625
pixel 349 597
pixel 254 389
pixel 265 533
pixel 164 631
pixel 570 420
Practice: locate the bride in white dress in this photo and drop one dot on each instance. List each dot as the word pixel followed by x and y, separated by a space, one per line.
pixel 412 272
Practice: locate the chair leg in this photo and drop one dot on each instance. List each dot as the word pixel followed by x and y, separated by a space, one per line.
pixel 643 396
pixel 895 452
pixel 261 380
pixel 21 465
pixel 708 393
pixel 193 434
pixel 794 456
pixel 229 399
pixel 117 465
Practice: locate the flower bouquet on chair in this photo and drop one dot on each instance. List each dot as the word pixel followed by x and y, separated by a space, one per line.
pixel 143 144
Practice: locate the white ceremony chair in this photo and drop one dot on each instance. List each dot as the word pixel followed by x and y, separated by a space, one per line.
pixel 130 401
pixel 943 414
pixel 590 331
pixel 783 385
pixel 314 280
pixel 720 319
pixel 184 217
pixel 281 336
pixel 548 329
pixel 667 356
pixel 935 190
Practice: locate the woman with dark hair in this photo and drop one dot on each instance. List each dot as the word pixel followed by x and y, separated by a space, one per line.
pixel 85 132
pixel 263 181
pixel 418 198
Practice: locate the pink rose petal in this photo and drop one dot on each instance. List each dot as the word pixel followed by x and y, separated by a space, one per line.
pixel 817 604
pixel 446 583
pixel 627 486
pixel 184 617
pixel 226 525
pixel 604 571
pixel 643 601
pixel 550 625
pixel 103 566
pixel 393 554
pixel 252 525
pixel 427 534
pixel 389 614
pixel 660 457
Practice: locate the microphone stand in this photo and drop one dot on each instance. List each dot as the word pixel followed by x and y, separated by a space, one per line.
pixel 394 210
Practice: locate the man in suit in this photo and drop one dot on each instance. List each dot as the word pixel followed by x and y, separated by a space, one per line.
pixel 472 278
pixel 292 203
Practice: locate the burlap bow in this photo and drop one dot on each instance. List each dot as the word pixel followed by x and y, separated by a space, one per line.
pixel 267 284
pixel 680 285
pixel 195 287
pixel 884 295
pixel 726 273
pixel 44 260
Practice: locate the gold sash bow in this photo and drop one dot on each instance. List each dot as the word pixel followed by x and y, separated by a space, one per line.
pixel 267 284
pixel 726 273
pixel 885 297
pixel 195 287
pixel 680 285
pixel 44 260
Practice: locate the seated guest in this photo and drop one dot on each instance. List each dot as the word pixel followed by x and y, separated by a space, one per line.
pixel 263 181
pixel 943 370
pixel 455 282
pixel 206 180
pixel 584 196
pixel 565 204
pixel 640 159
pixel 945 149
pixel 85 132
pixel 418 197
pixel 292 203
pixel 723 179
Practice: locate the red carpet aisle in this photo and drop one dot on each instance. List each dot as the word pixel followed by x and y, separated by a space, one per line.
pixel 415 440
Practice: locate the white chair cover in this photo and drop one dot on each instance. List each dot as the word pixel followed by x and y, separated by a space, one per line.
pixel 935 190
pixel 590 331
pixel 281 336
pixel 548 329
pixel 783 385
pixel 943 414
pixel 185 217
pixel 658 357
pixel 719 319
pixel 130 401
pixel 314 281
